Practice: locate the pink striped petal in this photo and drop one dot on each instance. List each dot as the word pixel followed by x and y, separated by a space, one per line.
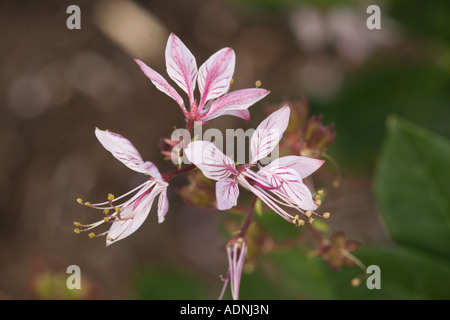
pixel 151 169
pixel 160 83
pixel 236 100
pixel 304 166
pixel 268 133
pixel 163 205
pixel 299 193
pixel 215 74
pixel 210 160
pixel 227 192
pixel 122 149
pixel 133 218
pixel 181 65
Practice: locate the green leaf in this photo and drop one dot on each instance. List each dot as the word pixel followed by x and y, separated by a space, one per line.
pixel 412 187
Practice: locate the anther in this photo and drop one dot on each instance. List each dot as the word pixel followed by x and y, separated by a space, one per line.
pixel 326 215
pixel 87 204
pixel 310 220
pixel 91 235
pixel 106 211
pixel 298 222
pixel 106 219
pixel 110 197
pixel 76 230
pixel 231 81
pixel 308 213
pixel 258 83
pixel 80 201
pixel 356 282
pixel 320 192
pixel 76 224
pixel 318 202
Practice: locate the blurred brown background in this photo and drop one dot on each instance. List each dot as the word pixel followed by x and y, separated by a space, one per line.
pixel 57 85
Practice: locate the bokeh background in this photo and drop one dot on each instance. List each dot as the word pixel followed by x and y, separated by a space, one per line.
pixel 57 85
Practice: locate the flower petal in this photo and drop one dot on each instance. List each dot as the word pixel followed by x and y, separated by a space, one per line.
pixel 163 205
pixel 181 65
pixel 236 100
pixel 135 217
pixel 210 160
pixel 151 169
pixel 215 74
pixel 268 133
pixel 161 83
pixel 227 192
pixel 122 149
pixel 304 166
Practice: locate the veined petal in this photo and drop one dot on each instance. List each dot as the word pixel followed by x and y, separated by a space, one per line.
pixel 181 65
pixel 289 185
pixel 215 74
pixel 163 205
pixel 299 193
pixel 227 192
pixel 236 100
pixel 268 133
pixel 161 83
pixel 304 166
pixel 210 160
pixel 134 217
pixel 151 169
pixel 122 149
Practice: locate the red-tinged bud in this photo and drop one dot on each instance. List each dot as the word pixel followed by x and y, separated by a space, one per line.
pixel 316 137
pixel 200 192
pixel 337 251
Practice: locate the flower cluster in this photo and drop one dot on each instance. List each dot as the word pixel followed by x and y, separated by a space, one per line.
pixel 279 184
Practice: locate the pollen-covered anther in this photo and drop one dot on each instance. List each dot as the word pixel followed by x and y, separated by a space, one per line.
pixel 91 235
pixel 87 204
pixel 318 202
pixel 310 220
pixel 258 83
pixel 110 197
pixel 106 219
pixel 231 81
pixel 356 282
pixel 308 213
pixel 320 192
pixel 80 201
pixel 106 211
pixel 298 222
pixel 76 230
pixel 76 224
pixel 326 215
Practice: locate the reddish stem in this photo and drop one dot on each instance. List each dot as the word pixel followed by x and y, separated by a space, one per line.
pixel 249 218
pixel 172 174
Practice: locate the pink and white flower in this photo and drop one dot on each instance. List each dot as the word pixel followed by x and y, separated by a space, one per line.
pixel 213 79
pixel 278 184
pixel 236 252
pixel 129 215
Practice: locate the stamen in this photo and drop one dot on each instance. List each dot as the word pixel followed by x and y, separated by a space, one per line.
pixel 80 201
pixel 326 215
pixel 258 83
pixel 298 222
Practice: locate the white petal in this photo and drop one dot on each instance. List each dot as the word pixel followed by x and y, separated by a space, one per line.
pixel 181 65
pixel 268 134
pixel 122 149
pixel 210 160
pixel 214 76
pixel 304 166
pixel 227 192
pixel 161 83
pixel 163 205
